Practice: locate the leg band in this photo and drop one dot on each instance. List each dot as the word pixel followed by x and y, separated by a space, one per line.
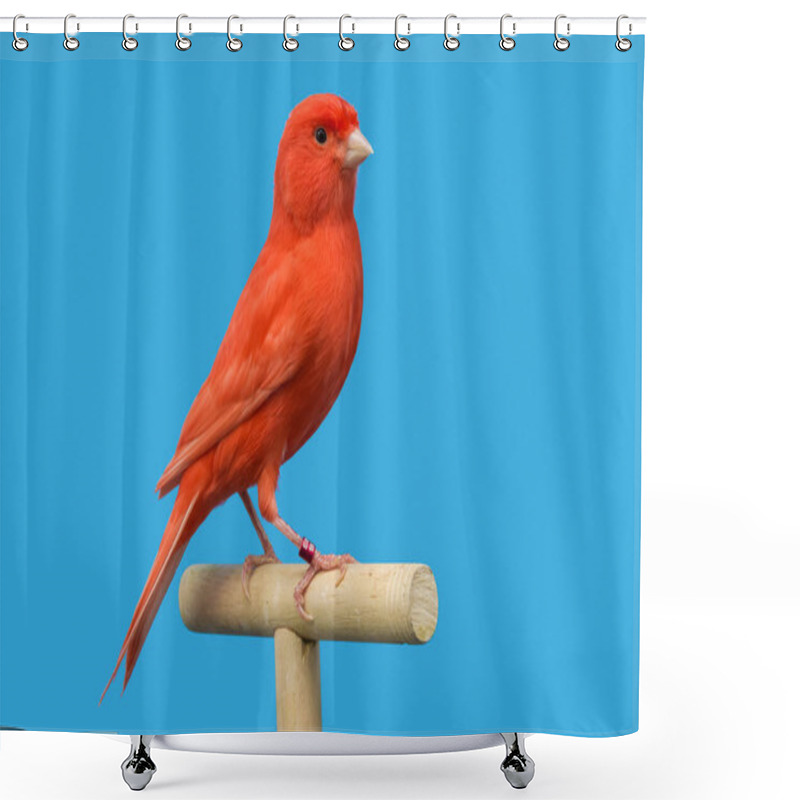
pixel 307 550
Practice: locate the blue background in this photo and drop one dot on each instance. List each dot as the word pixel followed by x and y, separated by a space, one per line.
pixel 490 426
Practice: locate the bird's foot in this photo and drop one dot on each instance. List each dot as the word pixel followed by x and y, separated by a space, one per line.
pixel 250 563
pixel 319 563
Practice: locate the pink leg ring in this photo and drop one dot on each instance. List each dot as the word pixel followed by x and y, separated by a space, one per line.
pixel 307 550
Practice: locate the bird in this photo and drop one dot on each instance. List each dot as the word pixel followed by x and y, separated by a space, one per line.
pixel 282 362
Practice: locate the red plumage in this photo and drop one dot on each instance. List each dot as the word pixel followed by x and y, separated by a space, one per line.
pixel 286 352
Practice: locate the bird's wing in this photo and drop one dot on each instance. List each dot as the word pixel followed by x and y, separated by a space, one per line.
pixel 261 351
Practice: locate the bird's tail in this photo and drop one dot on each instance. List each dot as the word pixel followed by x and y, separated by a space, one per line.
pixel 183 522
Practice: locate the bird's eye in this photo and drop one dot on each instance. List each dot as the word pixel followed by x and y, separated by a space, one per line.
pixel 320 135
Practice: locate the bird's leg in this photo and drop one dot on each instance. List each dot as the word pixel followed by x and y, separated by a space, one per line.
pixel 317 562
pixel 262 535
pixel 251 562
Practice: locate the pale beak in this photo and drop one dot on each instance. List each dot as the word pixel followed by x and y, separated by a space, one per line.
pixel 358 148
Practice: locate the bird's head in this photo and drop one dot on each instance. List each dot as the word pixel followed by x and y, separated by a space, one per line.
pixel 318 156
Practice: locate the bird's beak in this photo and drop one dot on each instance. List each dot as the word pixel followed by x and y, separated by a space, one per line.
pixel 358 148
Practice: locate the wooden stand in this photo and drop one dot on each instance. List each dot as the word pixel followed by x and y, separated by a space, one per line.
pixel 395 603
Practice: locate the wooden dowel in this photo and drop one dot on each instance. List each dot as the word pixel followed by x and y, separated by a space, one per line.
pixel 298 700
pixel 394 603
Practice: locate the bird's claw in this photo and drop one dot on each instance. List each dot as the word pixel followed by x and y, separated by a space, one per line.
pixel 346 559
pixel 301 609
pixel 250 563
pixel 320 563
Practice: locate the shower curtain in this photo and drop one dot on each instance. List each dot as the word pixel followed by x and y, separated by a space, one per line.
pixel 489 427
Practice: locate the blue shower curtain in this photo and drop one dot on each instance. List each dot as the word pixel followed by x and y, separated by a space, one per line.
pixel 489 426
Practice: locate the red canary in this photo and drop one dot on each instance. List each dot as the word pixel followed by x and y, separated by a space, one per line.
pixel 283 360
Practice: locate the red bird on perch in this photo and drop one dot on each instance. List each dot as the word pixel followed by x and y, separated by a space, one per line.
pixel 283 360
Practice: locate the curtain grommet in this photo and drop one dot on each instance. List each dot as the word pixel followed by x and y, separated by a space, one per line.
pixel 451 43
pixel 129 43
pixel 507 42
pixel 401 43
pixel 345 42
pixel 181 42
pixel 17 42
pixel 622 44
pixel 70 42
pixel 290 44
pixel 561 43
pixel 233 44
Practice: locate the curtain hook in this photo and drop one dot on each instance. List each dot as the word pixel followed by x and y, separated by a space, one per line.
pixel 401 42
pixel 70 42
pixel 451 42
pixel 128 42
pixel 18 43
pixel 623 45
pixel 561 43
pixel 345 42
pixel 289 43
pixel 181 42
pixel 233 44
pixel 507 42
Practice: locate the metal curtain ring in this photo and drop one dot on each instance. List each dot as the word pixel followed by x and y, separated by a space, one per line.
pixel 623 45
pixel 507 42
pixel 128 42
pixel 401 42
pixel 345 42
pixel 70 42
pixel 233 44
pixel 289 43
pixel 181 42
pixel 18 43
pixel 560 43
pixel 451 42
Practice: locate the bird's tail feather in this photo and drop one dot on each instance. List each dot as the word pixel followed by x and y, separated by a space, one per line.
pixel 182 524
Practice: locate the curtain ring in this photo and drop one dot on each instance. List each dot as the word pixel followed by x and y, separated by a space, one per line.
pixel 70 42
pixel 233 44
pixel 623 45
pixel 128 42
pixel 507 42
pixel 451 42
pixel 18 43
pixel 181 42
pixel 560 43
pixel 401 42
pixel 289 43
pixel 345 42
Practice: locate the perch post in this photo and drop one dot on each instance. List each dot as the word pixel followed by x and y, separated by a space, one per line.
pixel 297 687
pixel 391 603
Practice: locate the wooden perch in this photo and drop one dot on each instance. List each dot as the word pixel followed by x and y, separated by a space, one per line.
pixel 394 603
